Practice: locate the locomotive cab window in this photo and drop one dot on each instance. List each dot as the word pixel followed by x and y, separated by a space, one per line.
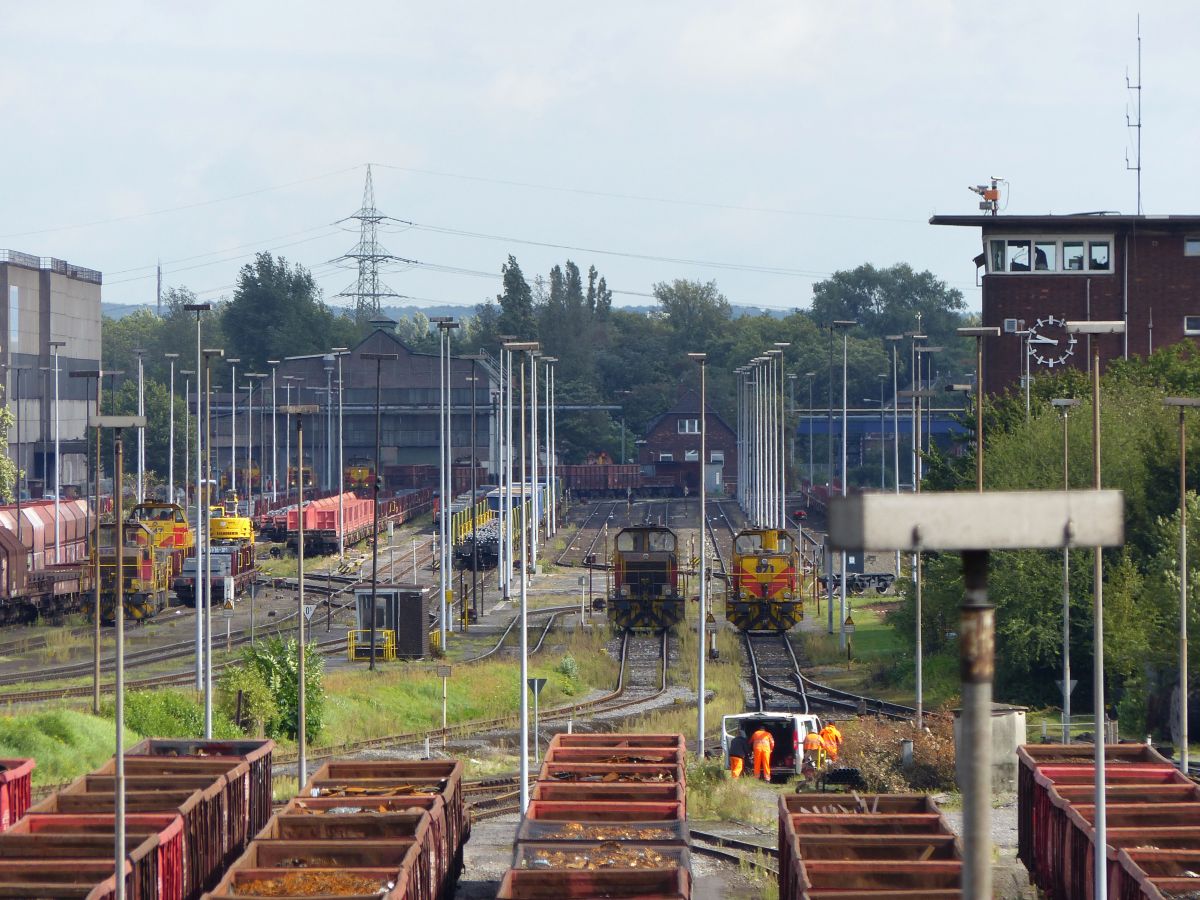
pixel 627 541
pixel 785 543
pixel 661 542
pixel 749 543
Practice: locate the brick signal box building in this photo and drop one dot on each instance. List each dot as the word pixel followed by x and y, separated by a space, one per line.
pixel 1039 271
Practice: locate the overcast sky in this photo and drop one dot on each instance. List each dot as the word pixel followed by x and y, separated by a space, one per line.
pixel 776 142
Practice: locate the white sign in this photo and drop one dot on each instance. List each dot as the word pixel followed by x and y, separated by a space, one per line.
pixel 309 609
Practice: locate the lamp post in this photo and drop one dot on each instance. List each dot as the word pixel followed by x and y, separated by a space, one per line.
pixel 379 358
pixel 300 411
pixel 845 325
pixel 1066 404
pixel 339 352
pixel 118 423
pixel 233 363
pixel 94 531
pixel 54 347
pixel 171 357
pixel 1100 871
pixel 528 347
pixel 199 309
pixel 288 380
pixel 549 361
pixel 781 346
pixel 445 465
pixel 702 360
pixel 141 411
pixel 274 364
pixel 205 539
pixel 1182 403
pixel 261 378
pixel 527 571
pixel 979 334
pixel 187 431
pixel 894 340
pixel 810 376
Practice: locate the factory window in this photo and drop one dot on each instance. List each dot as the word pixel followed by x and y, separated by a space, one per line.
pixel 1191 246
pixel 688 426
pixel 666 457
pixel 1191 324
pixel 717 456
pixel 691 456
pixel 1098 256
pixel 1073 256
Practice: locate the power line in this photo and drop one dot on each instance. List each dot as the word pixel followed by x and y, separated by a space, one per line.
pixel 671 201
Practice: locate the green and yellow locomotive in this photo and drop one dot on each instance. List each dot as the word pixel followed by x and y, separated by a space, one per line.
pixel 765 590
pixel 646 588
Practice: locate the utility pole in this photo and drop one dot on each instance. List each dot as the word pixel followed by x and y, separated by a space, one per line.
pixel 368 256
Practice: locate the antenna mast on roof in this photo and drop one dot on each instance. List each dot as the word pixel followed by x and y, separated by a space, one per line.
pixel 989 193
pixel 1137 123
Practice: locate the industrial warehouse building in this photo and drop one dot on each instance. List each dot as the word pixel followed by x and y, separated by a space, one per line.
pixel 1042 271
pixel 48 299
pixel 409 401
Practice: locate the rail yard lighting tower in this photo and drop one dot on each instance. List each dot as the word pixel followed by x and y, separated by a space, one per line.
pixel 1100 872
pixel 445 465
pixel 327 360
pixel 894 340
pixel 141 438
pixel 550 467
pixel 339 352
pixel 54 348
pixel 474 380
pixel 261 378
pixel 98 374
pixel 199 309
pixel 288 380
pixel 810 376
pixel 505 443
pixel 171 357
pixel 187 432
pixel 702 360
pixel 299 411
pixel 791 431
pixel 845 325
pixel 118 424
pixel 1066 404
pixel 377 476
pixel 781 346
pixel 1183 403
pixel 975 524
pixel 233 363
pixel 204 538
pixel 529 348
pixel 979 334
pixel 274 364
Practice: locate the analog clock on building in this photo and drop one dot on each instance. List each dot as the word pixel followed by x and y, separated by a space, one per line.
pixel 1049 342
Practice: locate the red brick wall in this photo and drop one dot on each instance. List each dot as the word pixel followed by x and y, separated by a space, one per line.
pixel 665 438
pixel 1162 283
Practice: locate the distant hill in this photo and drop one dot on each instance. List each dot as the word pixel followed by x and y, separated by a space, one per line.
pixel 121 310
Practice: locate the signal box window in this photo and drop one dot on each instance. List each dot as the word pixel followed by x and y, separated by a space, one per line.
pixel 1191 246
pixel 1044 256
pixel 1098 256
pixel 997 252
pixel 689 426
pixel 1191 324
pixel 1073 256
pixel 1018 256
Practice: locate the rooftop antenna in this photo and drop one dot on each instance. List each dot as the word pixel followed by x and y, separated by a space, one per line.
pixel 990 194
pixel 1136 123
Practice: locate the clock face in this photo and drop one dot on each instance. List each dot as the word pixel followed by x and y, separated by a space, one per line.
pixel 1049 342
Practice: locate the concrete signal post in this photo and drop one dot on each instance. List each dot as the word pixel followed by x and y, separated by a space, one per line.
pixel 975 524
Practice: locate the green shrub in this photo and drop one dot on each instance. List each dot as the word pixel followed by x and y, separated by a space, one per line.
pixel 169 713
pixel 274 662
pixel 258 703
pixel 65 743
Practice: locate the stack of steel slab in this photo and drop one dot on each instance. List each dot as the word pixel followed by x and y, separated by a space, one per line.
pixel 1150 806
pixel 16 789
pixel 606 819
pixel 866 846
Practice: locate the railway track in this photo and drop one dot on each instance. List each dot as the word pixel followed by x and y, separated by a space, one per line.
pixel 778 684
pixel 594 524
pixel 737 852
pixel 635 666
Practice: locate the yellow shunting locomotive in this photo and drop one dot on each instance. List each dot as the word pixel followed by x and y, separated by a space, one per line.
pixel 646 584
pixel 765 591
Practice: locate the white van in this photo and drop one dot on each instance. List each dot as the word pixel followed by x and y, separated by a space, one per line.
pixel 788 729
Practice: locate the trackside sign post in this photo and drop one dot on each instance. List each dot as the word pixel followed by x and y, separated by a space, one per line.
pixel 974 524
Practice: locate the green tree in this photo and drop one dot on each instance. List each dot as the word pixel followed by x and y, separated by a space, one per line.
pixel 516 303
pixel 693 309
pixel 277 311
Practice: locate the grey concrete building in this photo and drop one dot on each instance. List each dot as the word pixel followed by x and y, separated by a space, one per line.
pixel 47 299
pixel 409 402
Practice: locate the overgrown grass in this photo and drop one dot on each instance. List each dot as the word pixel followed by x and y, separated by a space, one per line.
pixel 712 795
pixel 65 743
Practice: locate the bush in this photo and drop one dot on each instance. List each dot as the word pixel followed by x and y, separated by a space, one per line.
pixel 170 714
pixel 258 703
pixel 273 663
pixel 873 747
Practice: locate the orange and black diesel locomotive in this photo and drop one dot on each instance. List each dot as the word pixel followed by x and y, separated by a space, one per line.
pixel 646 590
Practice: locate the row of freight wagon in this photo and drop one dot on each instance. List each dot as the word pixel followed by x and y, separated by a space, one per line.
pixel 606 818
pixel 191 809
pixel 347 515
pixel 1152 814
pixel 391 829
pixel 866 847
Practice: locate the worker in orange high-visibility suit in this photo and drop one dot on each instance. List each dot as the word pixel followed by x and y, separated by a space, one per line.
pixel 833 741
pixel 814 749
pixel 739 749
pixel 762 744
